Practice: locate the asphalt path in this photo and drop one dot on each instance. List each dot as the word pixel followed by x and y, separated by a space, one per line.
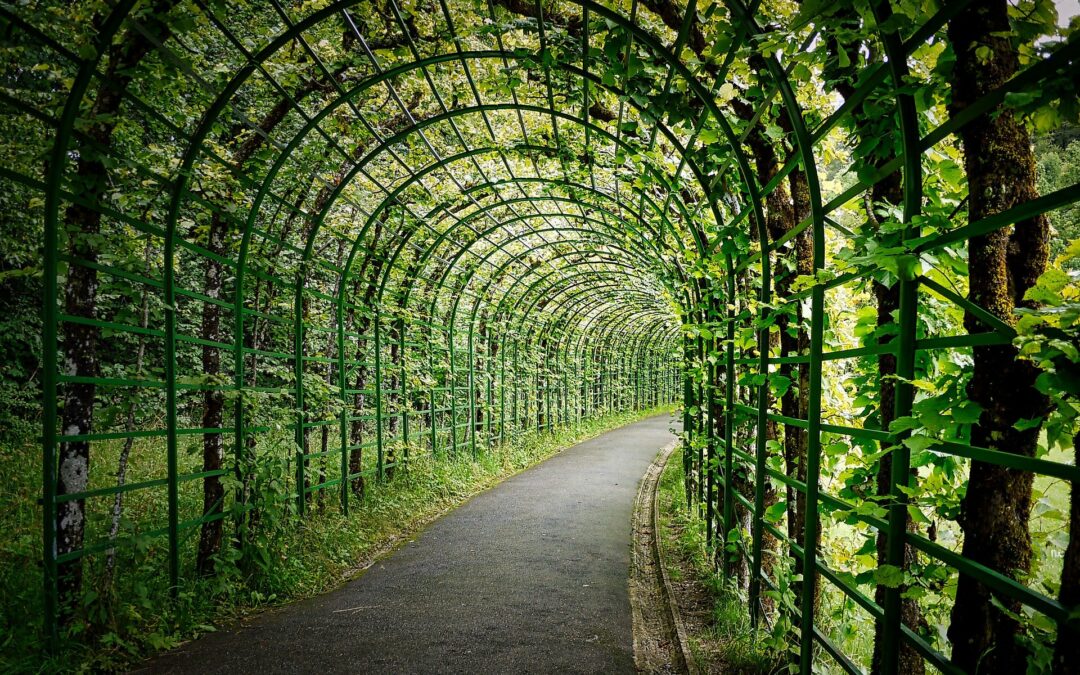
pixel 527 577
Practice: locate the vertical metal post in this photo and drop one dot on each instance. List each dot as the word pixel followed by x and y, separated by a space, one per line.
pixel 298 389
pixel 170 404
pixel 343 422
pixel 57 164
pixel 729 410
pixel 377 323
pixel 453 391
pixel 688 433
pixel 403 394
pixel 565 389
pixel 703 402
pixel 900 469
pixel 434 431
pixel 502 392
pixel 472 393
pixel 710 405
pixel 760 446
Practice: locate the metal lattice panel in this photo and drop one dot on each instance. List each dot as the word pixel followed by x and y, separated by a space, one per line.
pixel 430 226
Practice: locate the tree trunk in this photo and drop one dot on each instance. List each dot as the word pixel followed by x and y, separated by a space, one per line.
pixel 213 402
pixel 890 191
pixel 1003 265
pixel 367 279
pixel 796 402
pixel 80 342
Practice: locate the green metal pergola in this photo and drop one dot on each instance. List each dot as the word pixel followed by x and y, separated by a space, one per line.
pixel 479 286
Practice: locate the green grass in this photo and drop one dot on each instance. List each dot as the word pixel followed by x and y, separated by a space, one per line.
pixel 131 617
pixel 728 643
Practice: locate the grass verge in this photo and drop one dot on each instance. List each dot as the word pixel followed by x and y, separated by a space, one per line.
pixel 717 623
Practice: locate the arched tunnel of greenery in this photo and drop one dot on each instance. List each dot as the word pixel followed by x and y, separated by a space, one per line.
pixel 287 246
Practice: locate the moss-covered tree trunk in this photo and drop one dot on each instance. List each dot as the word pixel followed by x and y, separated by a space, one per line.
pixel 1002 266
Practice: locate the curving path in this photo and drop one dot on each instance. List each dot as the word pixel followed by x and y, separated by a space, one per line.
pixel 530 576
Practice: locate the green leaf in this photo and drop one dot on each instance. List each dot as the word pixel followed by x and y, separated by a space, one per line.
pixel 919 443
pixel 903 424
pixel 1025 424
pixel 967 412
pixel 709 136
pixel 889 576
pixel 909 267
pixel 917 515
pixel 774 513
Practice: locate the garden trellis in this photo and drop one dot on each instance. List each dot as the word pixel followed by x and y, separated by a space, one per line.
pixel 339 234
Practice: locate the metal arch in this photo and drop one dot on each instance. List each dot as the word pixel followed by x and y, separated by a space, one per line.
pixel 590 273
pixel 553 323
pixel 514 259
pixel 592 302
pixel 513 310
pixel 577 291
pixel 580 285
pixel 617 348
pixel 562 324
pixel 178 193
pixel 180 190
pixel 423 258
pixel 315 229
pixel 343 182
pixel 490 107
pixel 561 214
pixel 397 191
pixel 673 140
pixel 579 188
pixel 588 316
pixel 422 261
pixel 655 316
pixel 587 327
pixel 572 277
pixel 611 268
pixel 556 324
pixel 470 273
pixel 358 165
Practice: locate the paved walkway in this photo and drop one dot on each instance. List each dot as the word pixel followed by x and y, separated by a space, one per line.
pixel 530 576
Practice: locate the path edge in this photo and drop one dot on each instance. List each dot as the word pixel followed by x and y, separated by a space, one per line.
pixel 647 514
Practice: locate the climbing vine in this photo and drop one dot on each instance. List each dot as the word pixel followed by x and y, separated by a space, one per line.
pixel 288 251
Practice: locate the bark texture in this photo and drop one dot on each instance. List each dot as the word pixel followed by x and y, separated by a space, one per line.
pixel 1003 265
pixel 80 343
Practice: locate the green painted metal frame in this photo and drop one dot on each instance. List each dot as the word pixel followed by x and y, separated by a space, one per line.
pixel 584 301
